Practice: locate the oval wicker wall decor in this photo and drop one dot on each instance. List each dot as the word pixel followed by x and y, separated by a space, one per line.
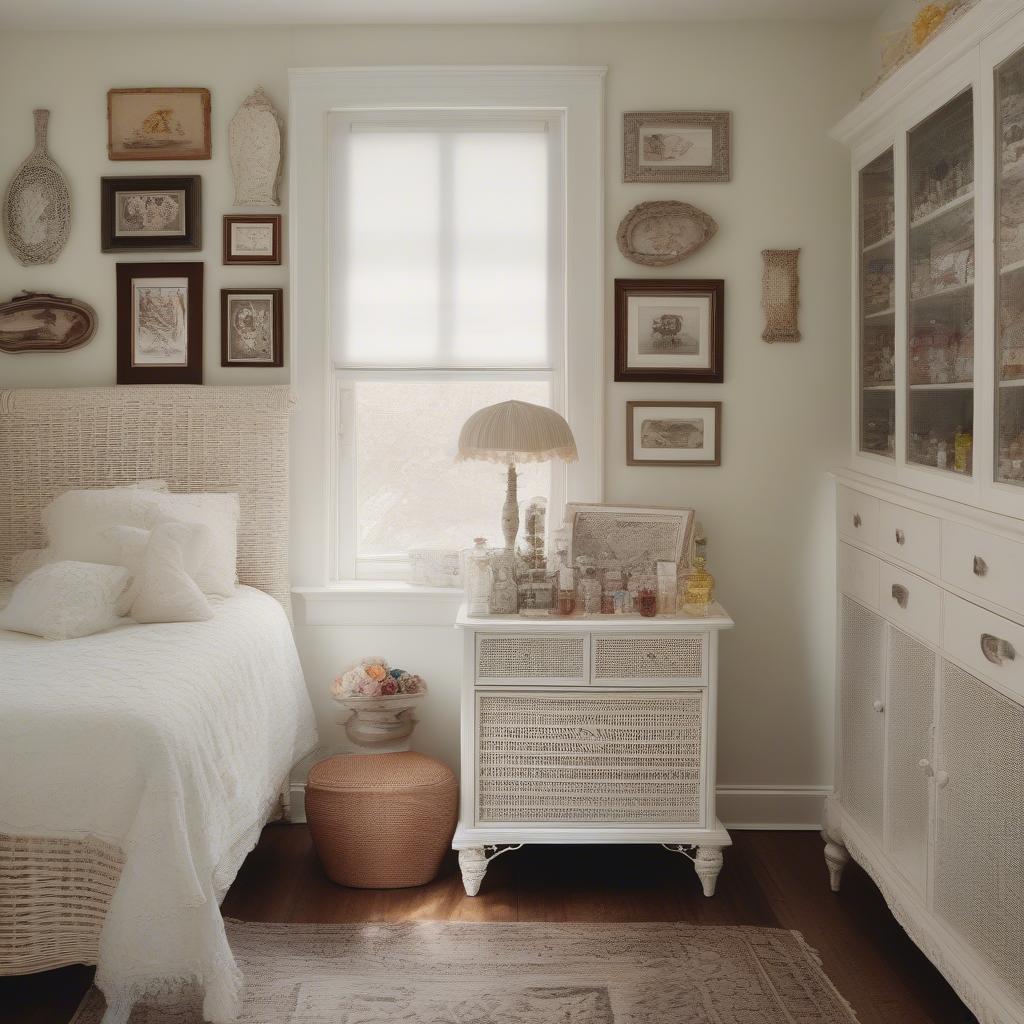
pixel 39 322
pixel 663 232
pixel 254 143
pixel 37 205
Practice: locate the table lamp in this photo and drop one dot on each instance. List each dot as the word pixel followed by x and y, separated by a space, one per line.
pixel 512 432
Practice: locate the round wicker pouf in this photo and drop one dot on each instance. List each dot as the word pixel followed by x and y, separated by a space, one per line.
pixel 381 821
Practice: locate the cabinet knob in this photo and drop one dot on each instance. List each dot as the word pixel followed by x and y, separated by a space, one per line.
pixel 996 649
pixel 857 519
pixel 901 538
pixel 878 706
pixel 926 766
pixel 941 779
pixel 980 566
pixel 900 594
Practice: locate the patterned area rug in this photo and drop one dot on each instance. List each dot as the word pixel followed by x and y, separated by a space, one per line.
pixel 518 974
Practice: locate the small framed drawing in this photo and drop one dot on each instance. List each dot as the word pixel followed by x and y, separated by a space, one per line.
pixel 674 433
pixel 669 330
pixel 251 327
pixel 252 239
pixel 158 124
pixel 680 145
pixel 159 323
pixel 150 214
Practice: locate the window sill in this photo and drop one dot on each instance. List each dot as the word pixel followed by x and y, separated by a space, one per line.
pixel 377 603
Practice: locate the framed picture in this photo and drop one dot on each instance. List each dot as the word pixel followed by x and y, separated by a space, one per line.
pixel 669 330
pixel 674 433
pixel 615 536
pixel 680 145
pixel 251 327
pixel 159 323
pixel 158 124
pixel 150 214
pixel 252 239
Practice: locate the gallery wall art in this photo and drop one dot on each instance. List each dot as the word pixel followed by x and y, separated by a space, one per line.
pixel 663 232
pixel 252 239
pixel 158 124
pixel 150 214
pixel 251 327
pixel 780 294
pixel 674 433
pixel 39 322
pixel 254 146
pixel 676 146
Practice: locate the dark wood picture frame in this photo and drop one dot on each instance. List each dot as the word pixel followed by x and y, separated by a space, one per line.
pixel 632 461
pixel 127 371
pixel 274 219
pixel 202 152
pixel 191 241
pixel 277 327
pixel 713 289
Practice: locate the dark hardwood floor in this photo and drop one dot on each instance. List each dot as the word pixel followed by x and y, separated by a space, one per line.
pixel 770 878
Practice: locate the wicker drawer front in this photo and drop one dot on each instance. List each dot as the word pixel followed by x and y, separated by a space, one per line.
pixel 531 657
pixel 671 659
pixel 590 758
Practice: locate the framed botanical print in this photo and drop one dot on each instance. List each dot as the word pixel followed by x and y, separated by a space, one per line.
pixel 251 327
pixel 158 124
pixel 674 433
pixel 676 145
pixel 159 323
pixel 150 214
pixel 252 239
pixel 669 330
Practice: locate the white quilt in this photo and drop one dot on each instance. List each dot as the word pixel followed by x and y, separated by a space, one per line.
pixel 171 741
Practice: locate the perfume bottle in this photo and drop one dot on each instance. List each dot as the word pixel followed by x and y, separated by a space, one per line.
pixel 700 587
pixel 504 589
pixel 667 588
pixel 479 579
pixel 590 591
pixel 963 441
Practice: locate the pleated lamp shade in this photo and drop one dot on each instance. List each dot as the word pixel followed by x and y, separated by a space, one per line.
pixel 514 431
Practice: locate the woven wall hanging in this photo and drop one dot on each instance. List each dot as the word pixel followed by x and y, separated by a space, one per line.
pixel 780 295
pixel 37 206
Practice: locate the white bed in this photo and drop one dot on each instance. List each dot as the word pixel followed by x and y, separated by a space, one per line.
pixel 137 766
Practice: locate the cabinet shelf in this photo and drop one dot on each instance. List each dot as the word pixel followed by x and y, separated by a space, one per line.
pixel 885 387
pixel 880 244
pixel 956 386
pixel 953 291
pixel 1013 383
pixel 880 315
pixel 1012 268
pixel 942 211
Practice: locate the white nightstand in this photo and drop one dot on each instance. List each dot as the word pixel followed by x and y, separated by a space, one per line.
pixel 589 729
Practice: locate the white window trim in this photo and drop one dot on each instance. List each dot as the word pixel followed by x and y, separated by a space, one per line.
pixel 576 92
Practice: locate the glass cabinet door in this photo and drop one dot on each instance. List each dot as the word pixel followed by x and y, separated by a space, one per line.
pixel 940 252
pixel 877 306
pixel 1009 328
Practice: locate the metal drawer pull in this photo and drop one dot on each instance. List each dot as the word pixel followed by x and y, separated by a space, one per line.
pixel 996 650
pixel 857 519
pixel 980 566
pixel 900 594
pixel 941 779
pixel 901 538
pixel 926 766
pixel 878 706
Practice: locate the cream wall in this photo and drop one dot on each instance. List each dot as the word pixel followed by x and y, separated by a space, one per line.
pixel 767 509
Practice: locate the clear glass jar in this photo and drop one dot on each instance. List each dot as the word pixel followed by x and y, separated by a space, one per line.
pixel 479 580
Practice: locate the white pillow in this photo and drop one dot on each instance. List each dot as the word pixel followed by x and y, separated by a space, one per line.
pixel 163 591
pixel 218 573
pixel 64 600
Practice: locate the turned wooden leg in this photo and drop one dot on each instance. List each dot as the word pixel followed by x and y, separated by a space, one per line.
pixel 836 857
pixel 708 862
pixel 473 865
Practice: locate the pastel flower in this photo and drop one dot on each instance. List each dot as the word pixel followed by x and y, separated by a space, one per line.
pixel 377 672
pixel 397 673
pixel 370 688
pixel 388 687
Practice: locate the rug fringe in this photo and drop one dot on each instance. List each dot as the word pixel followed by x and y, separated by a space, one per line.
pixel 815 957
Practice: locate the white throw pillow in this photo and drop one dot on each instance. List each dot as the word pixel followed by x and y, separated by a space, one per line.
pixel 163 590
pixel 65 600
pixel 220 513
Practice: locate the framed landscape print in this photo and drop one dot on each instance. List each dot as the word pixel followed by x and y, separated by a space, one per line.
pixel 159 323
pixel 158 124
pixel 680 145
pixel 669 330
pixel 251 327
pixel 150 214
pixel 252 239
pixel 674 433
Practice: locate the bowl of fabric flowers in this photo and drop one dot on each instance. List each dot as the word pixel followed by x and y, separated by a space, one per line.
pixel 381 700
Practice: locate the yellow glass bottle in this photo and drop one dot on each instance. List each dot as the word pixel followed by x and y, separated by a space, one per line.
pixel 700 587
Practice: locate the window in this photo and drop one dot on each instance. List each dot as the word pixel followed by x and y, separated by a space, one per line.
pixel 447 293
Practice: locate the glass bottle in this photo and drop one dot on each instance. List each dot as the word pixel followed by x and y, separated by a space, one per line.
pixel 590 591
pixel 479 579
pixel 700 587
pixel 667 588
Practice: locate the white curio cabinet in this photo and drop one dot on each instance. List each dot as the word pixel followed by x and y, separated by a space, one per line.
pixel 929 782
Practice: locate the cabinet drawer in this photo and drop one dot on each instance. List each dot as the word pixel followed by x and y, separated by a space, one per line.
pixel 988 644
pixel 984 564
pixel 858 574
pixel 910 602
pixel 645 659
pixel 910 536
pixel 503 659
pixel 857 515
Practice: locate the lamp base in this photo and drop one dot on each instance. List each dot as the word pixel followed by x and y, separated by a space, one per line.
pixel 510 510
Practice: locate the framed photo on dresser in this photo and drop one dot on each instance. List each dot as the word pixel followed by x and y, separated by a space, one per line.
pixel 159 323
pixel 252 239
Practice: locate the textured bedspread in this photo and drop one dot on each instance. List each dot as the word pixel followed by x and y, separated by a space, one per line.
pixel 171 741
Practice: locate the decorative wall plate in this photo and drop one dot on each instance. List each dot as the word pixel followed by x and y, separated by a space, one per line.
pixel 39 322
pixel 37 206
pixel 660 233
pixel 254 143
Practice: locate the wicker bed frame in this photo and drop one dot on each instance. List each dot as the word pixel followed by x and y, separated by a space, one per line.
pixel 54 893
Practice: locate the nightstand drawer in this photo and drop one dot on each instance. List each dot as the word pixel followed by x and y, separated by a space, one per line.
pixel 504 659
pixel 646 659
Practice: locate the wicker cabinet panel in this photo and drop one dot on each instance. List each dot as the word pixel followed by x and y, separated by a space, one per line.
pixel 649 660
pixel 517 658
pixel 590 758
pixel 979 833
pixel 861 713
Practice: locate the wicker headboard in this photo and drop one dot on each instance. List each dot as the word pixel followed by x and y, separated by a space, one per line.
pixel 195 438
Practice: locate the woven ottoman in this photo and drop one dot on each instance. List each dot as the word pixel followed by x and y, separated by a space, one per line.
pixel 381 821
